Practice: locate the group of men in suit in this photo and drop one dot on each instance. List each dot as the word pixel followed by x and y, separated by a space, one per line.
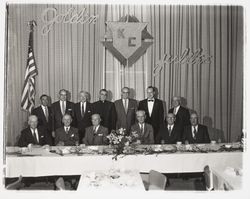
pixel 66 123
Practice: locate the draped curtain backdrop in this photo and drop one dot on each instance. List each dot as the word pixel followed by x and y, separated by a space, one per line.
pixel 71 56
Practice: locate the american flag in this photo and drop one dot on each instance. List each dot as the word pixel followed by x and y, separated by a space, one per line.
pixel 28 92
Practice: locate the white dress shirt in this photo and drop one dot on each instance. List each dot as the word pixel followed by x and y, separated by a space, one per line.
pixel 66 128
pixel 150 106
pixel 96 128
pixel 142 127
pixel 44 111
pixel 35 133
pixel 84 107
pixel 61 105
pixel 125 104
pixel 196 128
pixel 176 110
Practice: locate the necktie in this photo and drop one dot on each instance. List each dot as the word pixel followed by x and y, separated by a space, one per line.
pixel 195 132
pixel 126 105
pixel 63 107
pixel 67 130
pixel 82 110
pixel 141 129
pixel 169 130
pixel 46 113
pixel 175 111
pixel 94 130
pixel 35 137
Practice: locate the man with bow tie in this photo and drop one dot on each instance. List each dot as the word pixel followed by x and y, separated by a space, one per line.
pixel 96 134
pixel 153 108
pixel 169 132
pixel 33 135
pixel 195 133
pixel 60 108
pixel 145 131
pixel 83 112
pixel 125 110
pixel 43 113
pixel 66 135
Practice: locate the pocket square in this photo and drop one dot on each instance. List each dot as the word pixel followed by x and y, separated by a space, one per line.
pixel 41 136
pixel 89 111
pixel 100 134
pixel 72 135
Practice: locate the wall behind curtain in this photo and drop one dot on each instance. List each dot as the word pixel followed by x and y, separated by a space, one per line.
pixel 72 56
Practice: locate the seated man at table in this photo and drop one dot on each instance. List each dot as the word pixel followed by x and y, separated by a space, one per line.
pixel 169 132
pixel 195 133
pixel 96 134
pixel 144 130
pixel 34 135
pixel 66 135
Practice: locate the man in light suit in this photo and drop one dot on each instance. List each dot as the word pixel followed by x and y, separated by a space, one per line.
pixel 154 110
pixel 106 110
pixel 96 134
pixel 182 114
pixel 59 109
pixel 67 135
pixel 83 112
pixel 169 132
pixel 144 130
pixel 195 133
pixel 33 135
pixel 44 115
pixel 125 110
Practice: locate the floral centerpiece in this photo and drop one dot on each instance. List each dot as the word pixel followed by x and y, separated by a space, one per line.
pixel 122 142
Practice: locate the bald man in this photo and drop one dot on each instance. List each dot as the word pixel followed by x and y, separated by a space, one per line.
pixel 34 135
pixel 181 113
pixel 96 134
pixel 83 111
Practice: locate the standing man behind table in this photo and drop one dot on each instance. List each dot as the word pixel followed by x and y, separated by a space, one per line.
pixel 125 110
pixel 96 134
pixel 67 135
pixel 33 135
pixel 195 133
pixel 106 110
pixel 169 133
pixel 44 115
pixel 153 108
pixel 83 112
pixel 181 113
pixel 144 130
pixel 59 109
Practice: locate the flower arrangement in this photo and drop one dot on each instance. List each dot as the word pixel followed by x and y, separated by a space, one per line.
pixel 122 142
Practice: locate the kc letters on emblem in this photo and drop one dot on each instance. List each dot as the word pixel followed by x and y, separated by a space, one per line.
pixel 126 41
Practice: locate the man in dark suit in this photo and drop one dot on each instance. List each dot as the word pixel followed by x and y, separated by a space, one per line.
pixel 145 131
pixel 59 109
pixel 96 134
pixel 43 113
pixel 83 112
pixel 67 135
pixel 125 110
pixel 182 114
pixel 33 135
pixel 106 110
pixel 169 133
pixel 154 110
pixel 195 133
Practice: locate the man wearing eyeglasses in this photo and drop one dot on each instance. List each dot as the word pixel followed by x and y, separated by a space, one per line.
pixel 125 109
pixel 106 110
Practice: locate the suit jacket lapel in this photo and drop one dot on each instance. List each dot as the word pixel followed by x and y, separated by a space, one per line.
pixel 146 106
pixel 43 115
pixel 122 106
pixel 145 132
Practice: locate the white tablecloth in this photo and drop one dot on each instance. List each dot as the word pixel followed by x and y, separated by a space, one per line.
pixel 49 164
pixel 110 179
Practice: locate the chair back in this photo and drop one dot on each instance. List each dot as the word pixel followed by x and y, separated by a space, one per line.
pixel 15 185
pixel 157 181
pixel 208 178
pixel 60 184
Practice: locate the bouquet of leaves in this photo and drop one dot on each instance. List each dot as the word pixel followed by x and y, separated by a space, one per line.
pixel 120 141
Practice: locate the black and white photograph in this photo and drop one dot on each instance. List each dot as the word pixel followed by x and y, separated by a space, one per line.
pixel 131 97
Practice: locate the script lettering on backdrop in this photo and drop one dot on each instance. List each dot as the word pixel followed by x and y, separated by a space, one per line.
pixel 187 57
pixel 127 41
pixel 71 16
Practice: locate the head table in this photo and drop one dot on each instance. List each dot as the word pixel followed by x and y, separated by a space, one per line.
pixel 40 161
